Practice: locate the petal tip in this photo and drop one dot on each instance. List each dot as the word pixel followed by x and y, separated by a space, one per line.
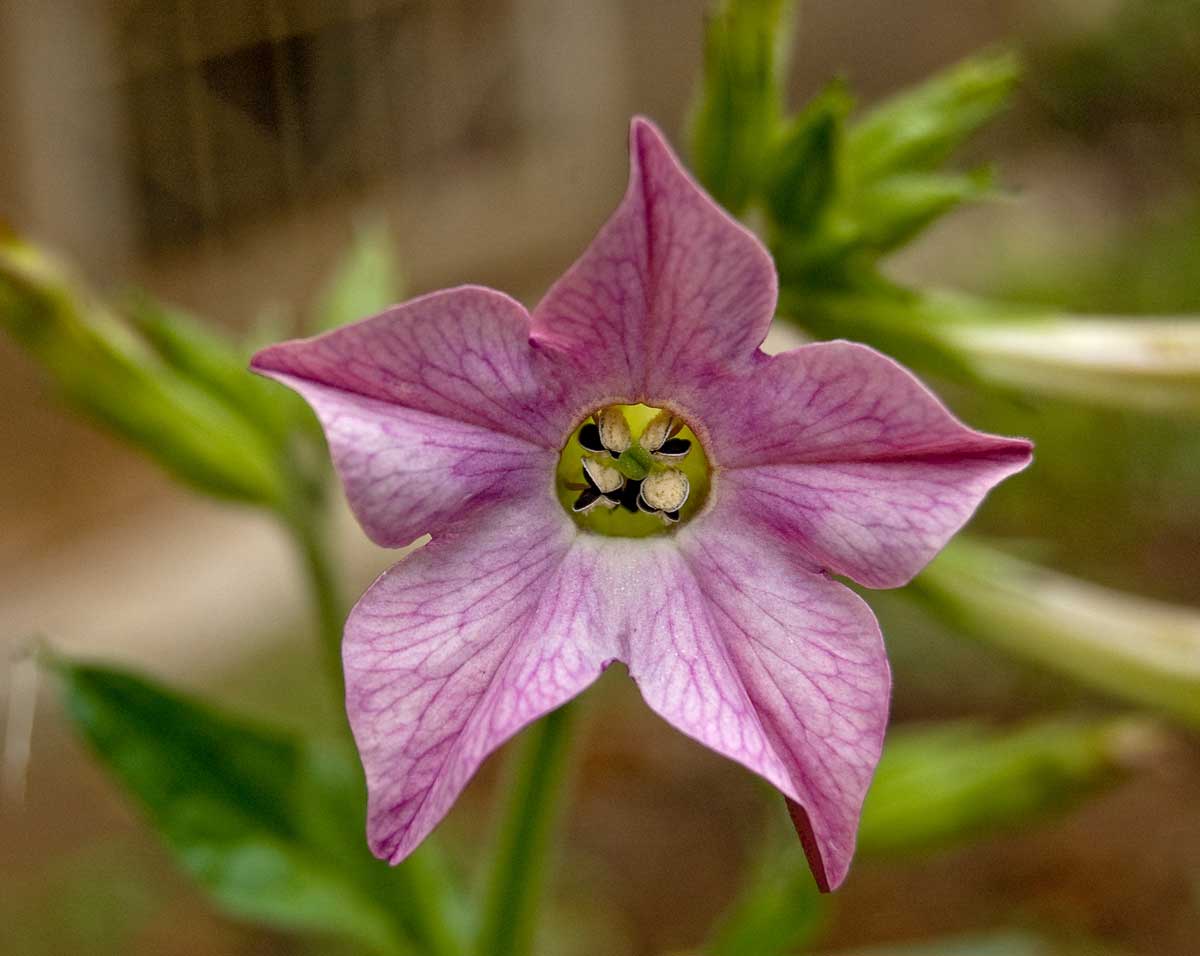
pixel 808 841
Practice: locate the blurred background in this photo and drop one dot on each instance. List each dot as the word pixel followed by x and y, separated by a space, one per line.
pixel 222 154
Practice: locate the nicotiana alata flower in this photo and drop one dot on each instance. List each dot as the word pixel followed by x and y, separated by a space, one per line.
pixel 625 476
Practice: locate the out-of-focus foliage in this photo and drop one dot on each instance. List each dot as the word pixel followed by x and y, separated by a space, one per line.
pixel 269 824
pixel 842 194
pixel 1142 651
pixel 991 944
pixel 937 786
pixel 919 128
pixel 103 369
pixel 215 364
pixel 947 783
pixel 745 55
pixel 366 281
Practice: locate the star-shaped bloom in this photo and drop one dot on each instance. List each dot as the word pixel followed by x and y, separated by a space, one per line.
pixel 696 545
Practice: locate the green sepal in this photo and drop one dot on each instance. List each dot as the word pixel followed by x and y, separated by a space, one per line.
pixel 260 818
pixel 740 100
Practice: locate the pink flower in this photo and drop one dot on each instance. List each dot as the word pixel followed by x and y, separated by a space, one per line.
pixel 460 415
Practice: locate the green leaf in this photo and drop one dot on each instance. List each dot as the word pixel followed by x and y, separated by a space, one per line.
pixel 938 786
pixel 217 365
pixel 948 783
pixel 917 129
pixel 1004 943
pixel 781 911
pixel 735 118
pixel 245 810
pixel 366 281
pixel 108 373
pixel 804 172
pixel 892 211
pixel 905 325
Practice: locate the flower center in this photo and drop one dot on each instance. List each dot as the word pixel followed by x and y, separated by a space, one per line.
pixel 632 471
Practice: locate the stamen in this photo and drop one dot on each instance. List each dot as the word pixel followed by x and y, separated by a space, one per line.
pixel 614 430
pixel 613 483
pixel 657 431
pixel 666 490
pixel 604 479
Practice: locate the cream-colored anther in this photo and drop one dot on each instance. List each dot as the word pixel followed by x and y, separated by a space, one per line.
pixel 666 490
pixel 614 430
pixel 605 479
pixel 657 431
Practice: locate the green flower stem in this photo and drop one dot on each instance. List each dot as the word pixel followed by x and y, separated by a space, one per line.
pixel 425 900
pixel 428 905
pixel 514 890
pixel 329 609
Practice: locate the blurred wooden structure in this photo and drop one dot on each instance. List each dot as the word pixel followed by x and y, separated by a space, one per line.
pixel 217 148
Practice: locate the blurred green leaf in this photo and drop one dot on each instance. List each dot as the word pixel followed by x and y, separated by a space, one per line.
pixel 803 176
pixel 782 911
pixel 367 280
pixel 945 784
pixel 221 368
pixel 936 786
pixel 1002 943
pixel 904 324
pixel 1138 650
pixel 740 99
pixel 917 129
pixel 893 210
pixel 246 811
pixel 840 198
pixel 105 371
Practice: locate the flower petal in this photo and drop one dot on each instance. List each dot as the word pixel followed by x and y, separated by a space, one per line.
pixel 843 453
pixel 778 668
pixel 433 409
pixel 461 354
pixel 455 649
pixel 671 291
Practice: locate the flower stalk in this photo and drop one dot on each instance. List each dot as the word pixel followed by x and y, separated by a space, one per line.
pixel 1139 650
pixel 520 860
pixel 329 609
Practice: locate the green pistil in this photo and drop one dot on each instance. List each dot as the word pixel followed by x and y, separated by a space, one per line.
pixel 635 462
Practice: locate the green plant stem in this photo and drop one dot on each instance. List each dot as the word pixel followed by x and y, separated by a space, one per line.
pixel 328 607
pixel 518 869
